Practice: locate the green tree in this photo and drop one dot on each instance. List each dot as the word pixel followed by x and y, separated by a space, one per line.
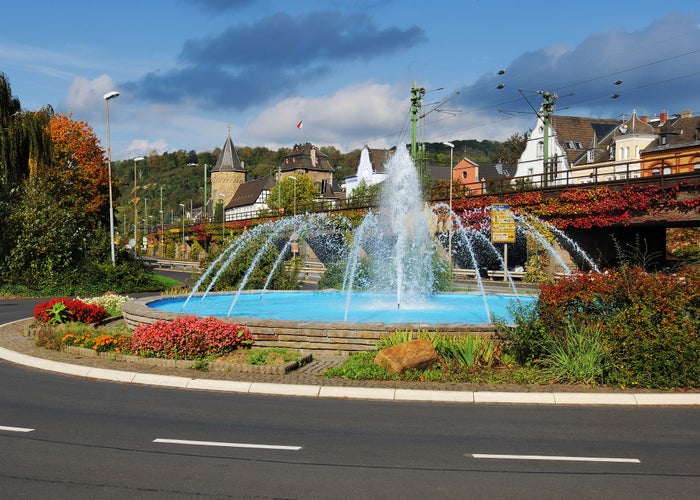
pixel 363 192
pixel 24 147
pixel 293 194
pixel 511 150
pixel 51 238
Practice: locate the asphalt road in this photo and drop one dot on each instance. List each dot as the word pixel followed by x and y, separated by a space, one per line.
pixel 64 437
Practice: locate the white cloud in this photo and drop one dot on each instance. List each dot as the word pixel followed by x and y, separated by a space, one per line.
pixel 354 116
pixel 143 147
pixel 83 94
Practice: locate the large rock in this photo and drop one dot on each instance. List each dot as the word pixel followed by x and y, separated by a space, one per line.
pixel 413 355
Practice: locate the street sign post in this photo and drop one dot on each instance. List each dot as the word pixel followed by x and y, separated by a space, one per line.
pixel 502 230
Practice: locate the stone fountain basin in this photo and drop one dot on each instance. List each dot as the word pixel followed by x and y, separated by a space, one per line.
pixel 327 337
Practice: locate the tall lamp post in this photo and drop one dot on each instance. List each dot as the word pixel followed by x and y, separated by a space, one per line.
pixel 223 218
pixel 162 232
pixel 110 95
pixel 138 158
pixel 183 225
pixel 449 238
pixel 295 193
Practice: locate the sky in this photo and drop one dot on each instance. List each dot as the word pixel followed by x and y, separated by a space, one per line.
pixel 190 72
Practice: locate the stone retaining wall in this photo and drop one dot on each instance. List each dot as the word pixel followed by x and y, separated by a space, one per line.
pixel 308 336
pixel 215 365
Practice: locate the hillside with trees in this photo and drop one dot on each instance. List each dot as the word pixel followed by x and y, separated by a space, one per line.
pixel 178 177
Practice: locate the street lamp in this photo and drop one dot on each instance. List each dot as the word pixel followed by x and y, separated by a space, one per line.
pixel 110 95
pixel 183 225
pixel 138 158
pixel 295 193
pixel 223 218
pixel 162 233
pixel 449 238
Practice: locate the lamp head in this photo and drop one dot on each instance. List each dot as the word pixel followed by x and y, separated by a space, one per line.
pixel 110 95
pixel 449 145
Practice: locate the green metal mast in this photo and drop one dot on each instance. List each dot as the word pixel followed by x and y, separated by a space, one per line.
pixel 417 94
pixel 548 102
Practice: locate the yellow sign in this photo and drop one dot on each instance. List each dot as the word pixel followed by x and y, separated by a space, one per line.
pixel 502 224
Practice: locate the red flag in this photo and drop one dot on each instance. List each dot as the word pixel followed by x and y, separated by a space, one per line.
pixel 299 124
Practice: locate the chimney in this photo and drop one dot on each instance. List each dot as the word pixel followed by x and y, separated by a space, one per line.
pixel 687 113
pixel 663 117
pixel 644 119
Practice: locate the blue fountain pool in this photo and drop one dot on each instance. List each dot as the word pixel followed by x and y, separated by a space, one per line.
pixel 457 308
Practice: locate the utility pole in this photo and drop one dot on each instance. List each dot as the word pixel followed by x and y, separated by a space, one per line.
pixel 417 94
pixel 204 207
pixel 548 102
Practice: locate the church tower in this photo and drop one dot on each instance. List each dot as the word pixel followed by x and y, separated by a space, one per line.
pixel 227 174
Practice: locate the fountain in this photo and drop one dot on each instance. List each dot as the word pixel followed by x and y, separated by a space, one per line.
pixel 392 262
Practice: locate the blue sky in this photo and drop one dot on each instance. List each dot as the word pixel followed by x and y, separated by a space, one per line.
pixel 187 70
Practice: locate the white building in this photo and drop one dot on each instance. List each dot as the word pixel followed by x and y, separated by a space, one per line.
pixel 370 170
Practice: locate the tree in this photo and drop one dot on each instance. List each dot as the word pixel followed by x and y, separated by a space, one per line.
pixel 363 192
pixel 78 170
pixel 24 142
pixel 50 240
pixel 512 149
pixel 24 146
pixel 291 195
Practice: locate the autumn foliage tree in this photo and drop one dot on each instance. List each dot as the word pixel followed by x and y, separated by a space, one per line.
pixel 77 169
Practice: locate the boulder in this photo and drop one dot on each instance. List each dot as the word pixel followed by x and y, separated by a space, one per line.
pixel 413 355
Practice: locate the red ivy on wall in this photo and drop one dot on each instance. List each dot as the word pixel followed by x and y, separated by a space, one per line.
pixel 587 208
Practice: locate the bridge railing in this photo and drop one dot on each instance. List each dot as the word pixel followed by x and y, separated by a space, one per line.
pixel 615 175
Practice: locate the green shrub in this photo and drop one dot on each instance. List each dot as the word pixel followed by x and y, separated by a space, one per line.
pixel 360 366
pixel 649 323
pixel 525 340
pixel 577 356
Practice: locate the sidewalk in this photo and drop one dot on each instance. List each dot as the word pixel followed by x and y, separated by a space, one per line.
pixel 308 381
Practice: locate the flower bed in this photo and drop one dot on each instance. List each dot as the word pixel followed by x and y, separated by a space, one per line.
pixel 189 337
pixel 67 310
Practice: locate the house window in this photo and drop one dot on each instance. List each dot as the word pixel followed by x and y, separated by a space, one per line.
pixel 464 174
pixel 569 145
pixel 540 149
pixel 578 145
pixel 590 156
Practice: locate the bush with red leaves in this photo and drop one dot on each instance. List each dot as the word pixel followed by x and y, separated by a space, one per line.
pixel 67 310
pixel 189 337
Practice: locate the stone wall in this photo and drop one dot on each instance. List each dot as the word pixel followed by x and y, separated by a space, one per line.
pixel 309 336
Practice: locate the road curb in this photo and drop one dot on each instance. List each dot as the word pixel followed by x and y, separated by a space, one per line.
pixel 356 393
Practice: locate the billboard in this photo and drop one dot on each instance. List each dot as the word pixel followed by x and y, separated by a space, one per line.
pixel 502 224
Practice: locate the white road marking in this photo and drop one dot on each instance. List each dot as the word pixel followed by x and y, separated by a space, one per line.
pixel 556 458
pixel 227 445
pixel 15 429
